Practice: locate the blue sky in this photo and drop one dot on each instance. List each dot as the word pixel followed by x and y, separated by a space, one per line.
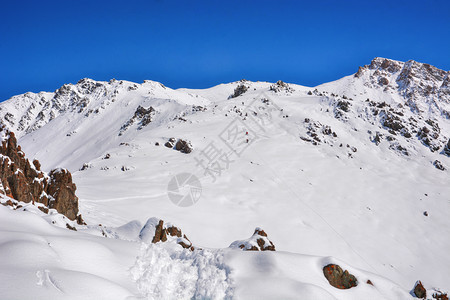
pixel 197 44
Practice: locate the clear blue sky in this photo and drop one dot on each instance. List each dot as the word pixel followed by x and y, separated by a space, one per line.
pixel 197 44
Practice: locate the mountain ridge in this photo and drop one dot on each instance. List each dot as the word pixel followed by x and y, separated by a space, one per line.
pixel 343 169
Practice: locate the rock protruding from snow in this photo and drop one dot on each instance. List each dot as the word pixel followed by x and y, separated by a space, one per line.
pixel 170 143
pixel 447 148
pixel 181 145
pixel 422 86
pixel 142 116
pixel 438 165
pixel 155 231
pixel 257 242
pixel 338 278
pixel 239 90
pixel 61 189
pixel 25 182
pixel 419 290
pixel 440 295
pixel 280 86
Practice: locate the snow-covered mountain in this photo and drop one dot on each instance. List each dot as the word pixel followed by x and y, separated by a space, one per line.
pixel 353 171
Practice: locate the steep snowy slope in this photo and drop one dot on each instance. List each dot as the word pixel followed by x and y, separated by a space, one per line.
pixel 97 114
pixel 356 169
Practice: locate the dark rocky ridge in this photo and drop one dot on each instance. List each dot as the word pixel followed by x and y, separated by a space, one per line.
pixel 23 181
pixel 418 83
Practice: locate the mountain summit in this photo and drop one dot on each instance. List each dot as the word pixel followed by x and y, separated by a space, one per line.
pixel 347 176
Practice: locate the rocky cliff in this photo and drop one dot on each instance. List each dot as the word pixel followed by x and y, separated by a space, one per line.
pixel 25 182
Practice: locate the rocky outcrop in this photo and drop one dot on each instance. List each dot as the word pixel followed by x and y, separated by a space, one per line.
pixel 338 278
pixel 155 231
pixel 280 86
pixel 424 87
pixel 438 165
pixel 239 90
pixel 257 242
pixel 170 143
pixel 61 190
pixel 25 182
pixel 181 145
pixel 446 150
pixel 419 290
pixel 440 295
pixel 142 116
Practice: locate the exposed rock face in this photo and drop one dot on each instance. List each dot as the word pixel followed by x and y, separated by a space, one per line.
pixel 447 148
pixel 26 182
pixel 257 242
pixel 421 85
pixel 61 189
pixel 438 165
pixel 338 278
pixel 281 86
pixel 155 231
pixel 419 290
pixel 183 146
pixel 142 116
pixel 239 90
pixel 170 143
pixel 180 145
pixel 440 296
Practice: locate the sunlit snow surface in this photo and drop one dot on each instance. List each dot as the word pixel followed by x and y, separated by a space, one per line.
pixel 316 204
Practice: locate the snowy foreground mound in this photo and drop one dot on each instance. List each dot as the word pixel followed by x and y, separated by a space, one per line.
pixel 56 263
pixel 354 173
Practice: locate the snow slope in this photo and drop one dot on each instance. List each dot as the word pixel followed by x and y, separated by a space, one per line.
pixel 318 194
pixel 54 263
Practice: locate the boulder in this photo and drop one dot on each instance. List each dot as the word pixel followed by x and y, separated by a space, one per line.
pixel 438 165
pixel 170 143
pixel 338 278
pixel 257 242
pixel 183 146
pixel 155 231
pixel 419 290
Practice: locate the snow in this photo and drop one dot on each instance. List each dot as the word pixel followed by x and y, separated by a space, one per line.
pixel 41 261
pixel 317 204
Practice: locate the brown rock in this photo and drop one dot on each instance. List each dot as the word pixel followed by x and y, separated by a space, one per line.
pixel 37 164
pixel 80 220
pixel 20 188
pixel 174 231
pixel 260 238
pixel 338 278
pixel 440 296
pixel 43 209
pixel 161 234
pixel 419 290
pixel 183 146
pixel 170 143
pixel 70 227
pixel 61 189
pixel 8 203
